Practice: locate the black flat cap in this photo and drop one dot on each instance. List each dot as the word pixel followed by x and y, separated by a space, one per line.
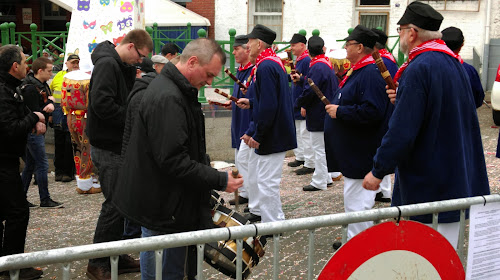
pixel 453 37
pixel 240 40
pixel 364 36
pixel 315 45
pixel 421 15
pixel 298 38
pixel 146 65
pixel 263 33
pixel 382 37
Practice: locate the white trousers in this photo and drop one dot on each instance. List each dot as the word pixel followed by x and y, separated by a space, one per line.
pixel 357 198
pixel 449 231
pixel 386 186
pixel 321 177
pixel 303 151
pixel 264 199
pixel 241 158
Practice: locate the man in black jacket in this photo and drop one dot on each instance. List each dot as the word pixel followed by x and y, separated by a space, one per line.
pixel 37 97
pixel 112 79
pixel 16 121
pixel 166 157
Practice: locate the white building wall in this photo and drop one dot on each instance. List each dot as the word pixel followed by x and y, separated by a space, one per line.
pixel 334 17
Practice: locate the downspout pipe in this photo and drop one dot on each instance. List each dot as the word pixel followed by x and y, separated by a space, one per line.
pixel 486 50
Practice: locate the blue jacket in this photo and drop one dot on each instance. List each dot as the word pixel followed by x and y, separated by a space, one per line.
pixel 273 110
pixel 391 66
pixel 326 81
pixel 240 118
pixel 297 88
pixel 352 139
pixel 433 137
pixel 475 82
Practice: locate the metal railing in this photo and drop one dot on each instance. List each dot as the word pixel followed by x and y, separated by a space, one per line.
pixel 157 243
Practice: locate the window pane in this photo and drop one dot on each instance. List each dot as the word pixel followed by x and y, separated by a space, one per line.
pixel 374 21
pixel 374 2
pixel 273 6
pixel 273 22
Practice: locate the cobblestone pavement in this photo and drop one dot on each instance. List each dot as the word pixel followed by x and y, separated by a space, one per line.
pixel 74 225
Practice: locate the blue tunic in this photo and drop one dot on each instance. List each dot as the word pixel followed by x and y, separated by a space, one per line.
pixel 297 88
pixel 391 66
pixel 273 110
pixel 241 117
pixel 475 82
pixel 352 139
pixel 327 82
pixel 433 137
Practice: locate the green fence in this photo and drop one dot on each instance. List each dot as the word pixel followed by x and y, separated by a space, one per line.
pixel 42 40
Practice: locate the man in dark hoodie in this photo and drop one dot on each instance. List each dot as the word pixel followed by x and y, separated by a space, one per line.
pixel 112 80
pixel 172 168
pixel 16 121
pixel 36 94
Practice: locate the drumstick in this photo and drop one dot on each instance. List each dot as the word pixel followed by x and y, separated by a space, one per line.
pixel 318 92
pixel 235 174
pixel 226 95
pixel 383 70
pixel 217 103
pixel 235 79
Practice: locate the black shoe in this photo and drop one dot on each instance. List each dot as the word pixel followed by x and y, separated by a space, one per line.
pixel 241 200
pixel 24 274
pixel 336 245
pixel 380 198
pixel 329 184
pixel 246 210
pixel 296 163
pixel 310 188
pixel 127 264
pixel 304 170
pixel 66 178
pixel 252 217
pixel 31 205
pixel 58 177
pixel 49 203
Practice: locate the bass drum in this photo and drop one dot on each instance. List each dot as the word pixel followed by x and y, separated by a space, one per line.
pixel 221 255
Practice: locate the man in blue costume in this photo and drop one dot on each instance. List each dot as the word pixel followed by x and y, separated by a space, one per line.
pixel 321 72
pixel 241 117
pixel 359 113
pixel 303 154
pixel 433 138
pixel 454 39
pixel 385 193
pixel 381 47
pixel 274 128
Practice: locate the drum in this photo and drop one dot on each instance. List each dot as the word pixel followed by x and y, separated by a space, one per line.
pixel 221 255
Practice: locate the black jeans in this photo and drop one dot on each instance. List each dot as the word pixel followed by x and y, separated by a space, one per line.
pixel 63 153
pixel 110 223
pixel 14 209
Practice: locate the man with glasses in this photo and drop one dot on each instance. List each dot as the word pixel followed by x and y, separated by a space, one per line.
pixel 112 79
pixel 433 138
pixel 359 113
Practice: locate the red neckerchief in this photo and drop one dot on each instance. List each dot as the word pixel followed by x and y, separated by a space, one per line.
pixel 321 58
pixel 303 55
pixel 386 54
pixel 251 75
pixel 367 60
pixel 429 46
pixel 243 68
pixel 267 54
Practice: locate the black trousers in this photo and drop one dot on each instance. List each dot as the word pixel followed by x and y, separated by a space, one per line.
pixel 14 210
pixel 110 224
pixel 63 153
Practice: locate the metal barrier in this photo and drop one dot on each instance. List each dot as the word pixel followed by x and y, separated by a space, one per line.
pixel 199 238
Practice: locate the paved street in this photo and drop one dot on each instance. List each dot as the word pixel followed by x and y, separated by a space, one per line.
pixel 75 224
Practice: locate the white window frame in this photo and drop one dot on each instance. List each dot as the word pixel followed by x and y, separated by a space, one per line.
pixel 252 13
